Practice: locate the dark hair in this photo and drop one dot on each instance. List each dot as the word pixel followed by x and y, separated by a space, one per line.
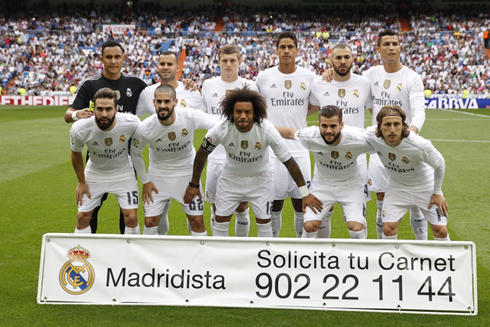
pixel 386 33
pixel 330 111
pixel 341 46
pixel 106 93
pixel 392 111
pixel 244 95
pixel 166 88
pixel 110 44
pixel 229 49
pixel 170 53
pixel 287 35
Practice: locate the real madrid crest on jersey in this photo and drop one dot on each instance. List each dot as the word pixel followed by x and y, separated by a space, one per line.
pixel 356 94
pixel 184 132
pixel 129 93
pixel 387 84
pixel 108 141
pixel 244 144
pixel 335 154
pixel 302 86
pixel 288 84
pixel 399 87
pixel 348 155
pixel 405 160
pixel 122 139
pixel 183 103
pixel 257 146
pixel 77 275
pixel 392 156
pixel 341 93
pixel 136 142
pixel 171 136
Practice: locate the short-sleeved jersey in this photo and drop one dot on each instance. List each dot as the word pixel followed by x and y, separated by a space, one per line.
pixel 187 99
pixel 403 88
pixel 247 154
pixel 335 164
pixel 213 90
pixel 410 165
pixel 171 147
pixel 287 100
pixel 127 87
pixel 352 96
pixel 109 160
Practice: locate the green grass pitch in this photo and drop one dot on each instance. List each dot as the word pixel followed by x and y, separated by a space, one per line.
pixel 37 192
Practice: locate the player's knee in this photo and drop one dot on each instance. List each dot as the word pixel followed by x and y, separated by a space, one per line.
pixel 439 231
pixel 83 219
pixel 311 226
pixel 380 196
pixel 390 229
pixel 152 221
pixel 355 226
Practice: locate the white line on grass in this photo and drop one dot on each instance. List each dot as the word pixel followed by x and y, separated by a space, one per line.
pixel 464 141
pixel 466 113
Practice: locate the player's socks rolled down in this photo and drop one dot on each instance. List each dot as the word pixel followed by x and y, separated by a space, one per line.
pixel 276 220
pixel 359 235
pixel 418 223
pixel 221 229
pixel 242 223
pixel 305 234
pixel 86 230
pixel 325 227
pixel 150 230
pixel 379 219
pixel 446 239
pixel 298 223
pixel 394 237
pixel 264 230
pixel 205 233
pixel 132 230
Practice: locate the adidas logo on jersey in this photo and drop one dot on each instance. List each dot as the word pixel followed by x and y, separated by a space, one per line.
pixel 376 84
pixel 273 86
pixel 231 144
pixel 326 94
pixel 320 153
pixel 159 140
pixel 95 143
pixel 215 95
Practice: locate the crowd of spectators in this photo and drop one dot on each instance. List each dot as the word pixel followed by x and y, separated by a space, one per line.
pixel 47 53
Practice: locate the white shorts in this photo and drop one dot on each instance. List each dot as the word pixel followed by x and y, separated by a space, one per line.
pixel 378 177
pixel 397 203
pixel 172 188
pixel 234 189
pixel 126 192
pixel 349 196
pixel 212 174
pixel 284 185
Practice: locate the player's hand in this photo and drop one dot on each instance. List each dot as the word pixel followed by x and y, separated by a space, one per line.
pixel 328 75
pixel 82 188
pixel 84 113
pixel 189 84
pixel 440 202
pixel 191 192
pixel 148 188
pixel 313 203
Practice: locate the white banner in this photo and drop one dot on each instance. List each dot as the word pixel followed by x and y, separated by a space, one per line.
pixel 118 28
pixel 334 274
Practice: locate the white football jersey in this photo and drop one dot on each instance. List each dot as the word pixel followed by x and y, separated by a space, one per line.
pixel 171 147
pixel 213 90
pixel 403 88
pixel 247 154
pixel 109 160
pixel 335 164
pixel 411 164
pixel 287 100
pixel 352 96
pixel 187 99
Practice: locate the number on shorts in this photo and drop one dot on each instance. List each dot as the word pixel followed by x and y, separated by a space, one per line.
pixel 132 197
pixel 196 205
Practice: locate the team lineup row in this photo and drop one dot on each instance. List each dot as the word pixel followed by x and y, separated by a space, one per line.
pixel 240 169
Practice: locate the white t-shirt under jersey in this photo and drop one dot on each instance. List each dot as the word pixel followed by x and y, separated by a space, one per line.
pixel 247 154
pixel 335 164
pixel 171 147
pixel 403 88
pixel 187 99
pixel 108 150
pixel 287 98
pixel 352 96
pixel 213 90
pixel 413 165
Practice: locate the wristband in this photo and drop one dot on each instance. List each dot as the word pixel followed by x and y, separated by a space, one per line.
pixel 74 115
pixel 303 190
pixel 193 185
